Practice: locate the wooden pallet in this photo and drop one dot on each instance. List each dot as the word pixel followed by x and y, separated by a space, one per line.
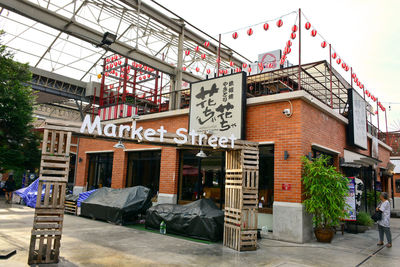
pixel 241 199
pixel 49 210
pixel 71 207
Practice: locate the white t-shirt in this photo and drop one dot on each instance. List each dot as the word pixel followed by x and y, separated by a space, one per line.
pixel 385 208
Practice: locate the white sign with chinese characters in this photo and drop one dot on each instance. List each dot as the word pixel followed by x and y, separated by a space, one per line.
pixel 217 106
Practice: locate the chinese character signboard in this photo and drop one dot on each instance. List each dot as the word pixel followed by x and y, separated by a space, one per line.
pixel 351 200
pixel 218 105
pixel 357 128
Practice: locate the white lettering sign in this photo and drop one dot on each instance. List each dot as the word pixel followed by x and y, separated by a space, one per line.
pixel 149 134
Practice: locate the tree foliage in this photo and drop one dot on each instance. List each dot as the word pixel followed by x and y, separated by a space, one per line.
pixel 18 143
pixel 325 190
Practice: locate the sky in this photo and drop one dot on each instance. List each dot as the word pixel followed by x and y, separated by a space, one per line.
pixel 365 34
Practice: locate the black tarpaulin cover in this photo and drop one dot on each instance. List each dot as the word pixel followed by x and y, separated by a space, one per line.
pixel 119 206
pixel 200 219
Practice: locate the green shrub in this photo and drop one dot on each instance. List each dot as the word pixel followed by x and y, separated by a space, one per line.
pixel 364 218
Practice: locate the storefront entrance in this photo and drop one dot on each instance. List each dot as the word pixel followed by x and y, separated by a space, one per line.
pixel 100 170
pixel 201 177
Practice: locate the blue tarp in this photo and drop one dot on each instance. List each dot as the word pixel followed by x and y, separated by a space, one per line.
pixel 83 196
pixel 29 194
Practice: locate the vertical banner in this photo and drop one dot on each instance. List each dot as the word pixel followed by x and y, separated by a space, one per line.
pixel 351 200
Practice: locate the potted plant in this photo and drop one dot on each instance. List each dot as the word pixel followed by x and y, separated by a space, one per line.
pixel 325 190
pixel 362 223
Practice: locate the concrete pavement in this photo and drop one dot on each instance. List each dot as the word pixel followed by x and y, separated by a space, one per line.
pixel 87 242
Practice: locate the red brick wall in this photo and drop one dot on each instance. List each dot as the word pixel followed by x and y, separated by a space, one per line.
pixel 267 123
pixel 120 160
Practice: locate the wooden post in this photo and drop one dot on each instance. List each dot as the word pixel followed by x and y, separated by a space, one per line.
pixel 241 199
pixel 49 211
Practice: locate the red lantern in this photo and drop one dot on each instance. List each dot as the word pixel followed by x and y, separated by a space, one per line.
pixel 197 69
pixel 282 62
pixel 249 31
pixel 343 65
pixel 249 69
pixel 366 92
pixel 358 83
pixel 323 44
pixel 289 43
pixel 226 71
pixel 288 50
pixel 235 35
pixel 279 23
pixel 148 75
pixel 231 64
pixel 184 68
pixel 347 68
pixel 203 56
pixel 313 33
pixel 140 78
pixel 261 66
pixel 266 26
pixel 187 52
pixel 334 55
pixel 221 71
pixel 308 25
pixel 206 44
pixel 356 80
pixel 244 65
pixel 293 35
pixel 208 71
pixel 362 86
pixel 338 61
pixel 294 28
pixel 197 49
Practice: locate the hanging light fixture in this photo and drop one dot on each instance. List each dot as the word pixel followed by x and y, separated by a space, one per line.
pixel 201 154
pixel 308 25
pixel 249 31
pixel 119 145
pixel 266 26
pixel 234 35
pixel 323 44
pixel 279 23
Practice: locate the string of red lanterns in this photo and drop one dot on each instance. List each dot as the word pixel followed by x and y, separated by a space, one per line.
pixel 345 66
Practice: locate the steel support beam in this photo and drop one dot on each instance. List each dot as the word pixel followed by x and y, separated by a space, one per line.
pixel 80 31
pixel 176 26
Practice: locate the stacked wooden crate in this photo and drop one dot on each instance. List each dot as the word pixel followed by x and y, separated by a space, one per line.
pixel 49 211
pixel 241 199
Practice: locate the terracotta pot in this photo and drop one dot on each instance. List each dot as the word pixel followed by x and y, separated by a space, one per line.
pixel 324 235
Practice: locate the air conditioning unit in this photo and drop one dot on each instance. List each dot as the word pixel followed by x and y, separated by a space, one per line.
pixel 91 87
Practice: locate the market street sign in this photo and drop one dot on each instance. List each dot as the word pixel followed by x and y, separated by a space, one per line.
pixel 149 134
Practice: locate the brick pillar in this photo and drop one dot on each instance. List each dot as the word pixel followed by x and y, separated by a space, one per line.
pixel 169 172
pixel 120 162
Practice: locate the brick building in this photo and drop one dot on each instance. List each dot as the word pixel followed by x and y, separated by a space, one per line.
pixel 312 128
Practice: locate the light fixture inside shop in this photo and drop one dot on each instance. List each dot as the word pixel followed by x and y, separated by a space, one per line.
pixel 201 154
pixel 119 145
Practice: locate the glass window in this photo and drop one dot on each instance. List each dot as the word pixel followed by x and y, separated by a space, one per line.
pixel 201 177
pixel 144 169
pixel 266 179
pixel 317 153
pixel 100 170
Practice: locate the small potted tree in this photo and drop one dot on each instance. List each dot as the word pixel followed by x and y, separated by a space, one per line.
pixel 325 190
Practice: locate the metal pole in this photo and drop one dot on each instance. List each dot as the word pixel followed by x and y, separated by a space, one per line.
pixel 387 133
pixel 377 114
pixel 299 82
pixel 218 57
pixel 330 72
pixel 351 77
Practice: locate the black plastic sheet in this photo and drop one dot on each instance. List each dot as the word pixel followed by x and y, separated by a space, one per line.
pixel 119 206
pixel 200 219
